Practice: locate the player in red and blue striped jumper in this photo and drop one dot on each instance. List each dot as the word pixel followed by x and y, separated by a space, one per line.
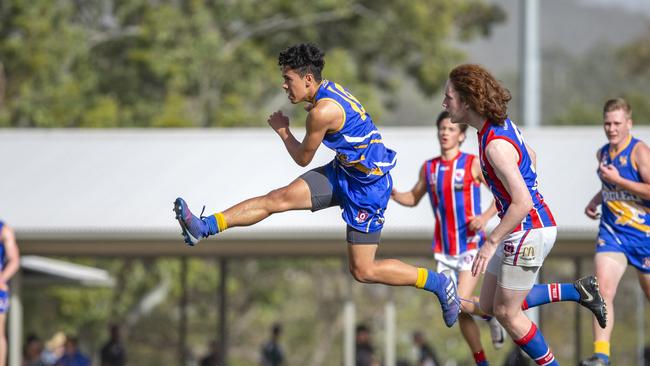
pixel 452 182
pixel 516 248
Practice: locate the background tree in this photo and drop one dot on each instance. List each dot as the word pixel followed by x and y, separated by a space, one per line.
pixel 138 63
pixel 575 88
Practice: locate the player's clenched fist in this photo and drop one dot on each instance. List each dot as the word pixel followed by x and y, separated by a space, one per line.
pixel 278 121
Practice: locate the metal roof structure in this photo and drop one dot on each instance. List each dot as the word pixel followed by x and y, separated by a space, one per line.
pixel 42 270
pixel 110 192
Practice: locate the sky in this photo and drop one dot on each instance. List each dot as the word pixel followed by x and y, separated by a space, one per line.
pixel 573 25
pixel 635 6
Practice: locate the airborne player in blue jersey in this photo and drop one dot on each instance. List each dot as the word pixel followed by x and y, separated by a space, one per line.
pixel 624 235
pixel 357 180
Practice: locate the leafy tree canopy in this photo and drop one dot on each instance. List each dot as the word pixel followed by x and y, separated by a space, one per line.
pixel 140 63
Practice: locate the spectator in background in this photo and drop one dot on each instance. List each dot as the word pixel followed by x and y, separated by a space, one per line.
pixel 212 358
pixel 32 351
pixel 72 356
pixel 426 356
pixel 9 264
pixel 54 348
pixel 272 353
pixel 113 352
pixel 365 352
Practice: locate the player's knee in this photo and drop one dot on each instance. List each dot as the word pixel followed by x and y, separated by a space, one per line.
pixel 363 274
pixel 504 314
pixel 278 199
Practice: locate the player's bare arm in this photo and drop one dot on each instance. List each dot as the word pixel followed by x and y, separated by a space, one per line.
pixel 412 197
pixel 592 207
pixel 479 222
pixel 323 117
pixel 12 255
pixel 640 157
pixel 503 157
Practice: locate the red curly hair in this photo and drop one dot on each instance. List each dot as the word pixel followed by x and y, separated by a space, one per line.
pixel 481 91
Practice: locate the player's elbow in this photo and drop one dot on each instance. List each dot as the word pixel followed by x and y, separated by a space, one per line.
pixel 412 203
pixel 528 205
pixel 303 162
pixel 303 159
pixel 523 204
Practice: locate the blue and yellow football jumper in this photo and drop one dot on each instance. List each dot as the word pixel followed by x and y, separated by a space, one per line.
pixel 625 221
pixel 359 173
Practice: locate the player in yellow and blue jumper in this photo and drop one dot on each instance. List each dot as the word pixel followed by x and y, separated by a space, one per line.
pixel 624 234
pixel 357 180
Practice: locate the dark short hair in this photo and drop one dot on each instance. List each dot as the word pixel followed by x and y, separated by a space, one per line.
pixel 445 115
pixel 304 58
pixel 362 328
pixel 276 328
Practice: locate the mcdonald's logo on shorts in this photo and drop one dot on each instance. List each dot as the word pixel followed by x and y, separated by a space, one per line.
pixel 528 252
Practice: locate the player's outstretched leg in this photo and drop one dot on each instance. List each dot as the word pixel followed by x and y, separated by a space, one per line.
pixel 583 291
pixel 295 196
pixel 591 298
pixel 194 228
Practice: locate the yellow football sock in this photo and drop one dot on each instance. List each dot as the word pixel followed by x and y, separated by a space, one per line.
pixel 601 347
pixel 422 277
pixel 221 221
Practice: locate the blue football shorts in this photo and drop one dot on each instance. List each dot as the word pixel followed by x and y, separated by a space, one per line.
pixel 636 252
pixel 363 204
pixel 4 301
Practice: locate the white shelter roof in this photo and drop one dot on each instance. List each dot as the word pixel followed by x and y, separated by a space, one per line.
pixel 47 270
pixel 121 183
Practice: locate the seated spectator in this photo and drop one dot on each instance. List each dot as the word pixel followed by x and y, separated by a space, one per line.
pixel 72 356
pixel 212 358
pixel 426 356
pixel 113 352
pixel 32 351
